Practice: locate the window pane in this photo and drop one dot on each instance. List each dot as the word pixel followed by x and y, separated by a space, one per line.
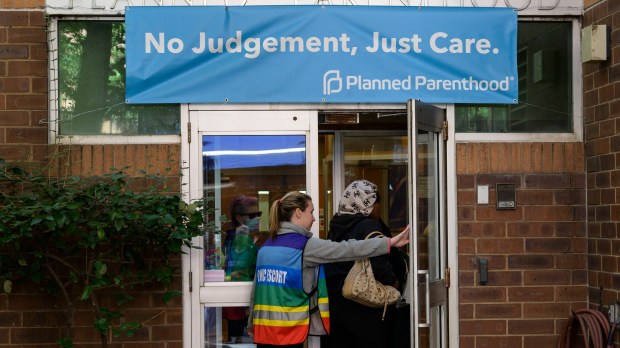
pixel 544 52
pixel 92 85
pixel 242 176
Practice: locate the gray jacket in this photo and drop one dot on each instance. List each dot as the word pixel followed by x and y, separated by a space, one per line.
pixel 319 251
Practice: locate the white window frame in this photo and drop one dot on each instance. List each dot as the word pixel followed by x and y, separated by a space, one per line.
pixel 577 87
pixel 53 114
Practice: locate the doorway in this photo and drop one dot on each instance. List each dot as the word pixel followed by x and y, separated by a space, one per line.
pixel 262 154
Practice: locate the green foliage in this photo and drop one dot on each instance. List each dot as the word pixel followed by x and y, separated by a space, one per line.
pixel 90 98
pixel 83 237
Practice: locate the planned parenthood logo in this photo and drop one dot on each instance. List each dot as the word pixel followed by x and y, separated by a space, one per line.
pixel 332 82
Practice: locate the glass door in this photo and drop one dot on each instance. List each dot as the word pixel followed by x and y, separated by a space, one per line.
pixel 429 274
pixel 246 160
pixel 408 167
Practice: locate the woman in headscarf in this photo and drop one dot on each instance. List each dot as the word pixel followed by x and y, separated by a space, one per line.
pixel 352 324
pixel 289 295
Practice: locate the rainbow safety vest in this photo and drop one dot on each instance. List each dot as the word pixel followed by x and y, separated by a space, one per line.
pixel 281 306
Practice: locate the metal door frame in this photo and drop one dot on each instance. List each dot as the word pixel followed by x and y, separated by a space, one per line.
pixel 189 138
pixel 432 119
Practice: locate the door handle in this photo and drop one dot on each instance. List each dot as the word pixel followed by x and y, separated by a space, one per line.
pixel 427 283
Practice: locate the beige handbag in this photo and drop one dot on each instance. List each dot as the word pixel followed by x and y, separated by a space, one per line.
pixel 361 286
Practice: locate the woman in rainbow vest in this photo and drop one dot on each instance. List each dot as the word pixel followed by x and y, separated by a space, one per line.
pixel 289 294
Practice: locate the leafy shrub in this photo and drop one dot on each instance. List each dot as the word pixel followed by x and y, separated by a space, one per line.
pixel 82 237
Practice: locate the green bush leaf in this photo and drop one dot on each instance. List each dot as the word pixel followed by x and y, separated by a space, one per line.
pixel 8 286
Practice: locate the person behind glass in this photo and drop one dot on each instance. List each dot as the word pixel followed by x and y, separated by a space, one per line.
pixel 353 324
pixel 289 297
pixel 240 257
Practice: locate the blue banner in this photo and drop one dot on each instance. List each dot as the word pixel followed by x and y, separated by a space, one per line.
pixel 321 54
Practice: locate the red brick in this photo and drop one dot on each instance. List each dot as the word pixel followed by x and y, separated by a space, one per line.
pixel 488 213
pixel 40 85
pixel 546 310
pixel 531 229
pixel 483 294
pixel 537 158
pixel 500 246
pixel 571 261
pixel 44 319
pixel 497 310
pixel 168 333
pixel 34 335
pixel 472 158
pixel 515 156
pixel 467 342
pixel 14 85
pixel 38 52
pixel 489 229
pixel 498 342
pixel 505 278
pixel 25 4
pixel 15 152
pixel 10 319
pixel 85 334
pixel 548 245
pixel 535 197
pixel 550 277
pixel 531 327
pixel 26 135
pixel 531 294
pixel 26 35
pixel 466 311
pixel 13 18
pixel 147 345
pixel 467 197
pixel 482 327
pixel 26 102
pixel 571 293
pixel 466 213
pixel 570 197
pixel 14 118
pixel 505 159
pixel 547 181
pixel 540 341
pixel 37 18
pixel 530 261
pixel 139 335
pixel 547 213
pixel 484 158
pixel 526 158
pixel 27 68
pixel 13 51
pixel 461 158
pixel 174 316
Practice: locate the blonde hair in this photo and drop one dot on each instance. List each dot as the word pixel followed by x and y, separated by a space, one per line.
pixel 282 209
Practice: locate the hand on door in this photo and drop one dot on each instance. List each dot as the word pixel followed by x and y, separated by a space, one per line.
pixel 402 238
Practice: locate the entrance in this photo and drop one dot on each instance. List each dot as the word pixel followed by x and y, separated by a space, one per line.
pixel 241 161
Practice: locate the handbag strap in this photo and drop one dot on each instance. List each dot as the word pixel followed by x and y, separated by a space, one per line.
pixel 374 233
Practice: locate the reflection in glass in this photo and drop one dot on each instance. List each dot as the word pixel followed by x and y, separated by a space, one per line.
pixel 242 175
pixel 383 160
pixel 545 105
pixel 91 85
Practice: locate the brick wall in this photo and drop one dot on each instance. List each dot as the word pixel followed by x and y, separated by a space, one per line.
pixel 601 82
pixel 537 253
pixel 23 80
pixel 28 318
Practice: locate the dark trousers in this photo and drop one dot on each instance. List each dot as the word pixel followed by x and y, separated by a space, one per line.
pixel 300 345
